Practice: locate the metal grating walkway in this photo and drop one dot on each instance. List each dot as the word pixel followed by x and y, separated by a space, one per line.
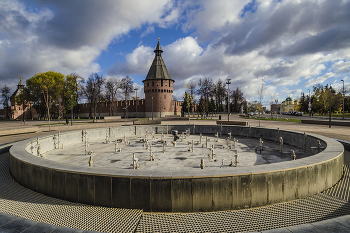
pixel 19 201
pixel 330 204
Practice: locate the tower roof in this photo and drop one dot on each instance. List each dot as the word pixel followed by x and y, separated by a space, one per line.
pixel 19 89
pixel 158 69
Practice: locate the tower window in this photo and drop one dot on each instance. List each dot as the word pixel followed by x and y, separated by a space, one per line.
pixel 152 83
pixel 161 82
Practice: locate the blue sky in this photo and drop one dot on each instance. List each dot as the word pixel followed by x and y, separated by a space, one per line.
pixel 293 44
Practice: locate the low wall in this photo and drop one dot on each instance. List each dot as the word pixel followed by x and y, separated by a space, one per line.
pixel 245 123
pixel 112 118
pixel 154 122
pixel 179 191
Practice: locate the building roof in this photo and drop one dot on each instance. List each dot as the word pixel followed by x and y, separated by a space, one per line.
pixel 158 69
pixel 289 99
pixel 19 89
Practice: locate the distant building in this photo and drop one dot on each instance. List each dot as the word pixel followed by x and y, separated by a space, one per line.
pixel 289 104
pixel 20 111
pixel 276 108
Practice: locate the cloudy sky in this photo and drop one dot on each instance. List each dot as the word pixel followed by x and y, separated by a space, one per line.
pixel 291 44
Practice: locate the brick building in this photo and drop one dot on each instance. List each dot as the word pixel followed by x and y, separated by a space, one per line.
pixel 19 111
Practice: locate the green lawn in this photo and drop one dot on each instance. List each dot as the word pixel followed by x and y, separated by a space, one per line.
pixel 273 119
pixel 346 115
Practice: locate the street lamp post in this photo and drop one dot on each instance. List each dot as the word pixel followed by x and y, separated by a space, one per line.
pixel 276 101
pixel 228 98
pixel 309 105
pixel 152 108
pixel 136 101
pixel 330 106
pixel 343 97
pixel 71 109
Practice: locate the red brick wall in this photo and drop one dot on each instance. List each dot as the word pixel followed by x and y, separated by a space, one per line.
pixel 162 92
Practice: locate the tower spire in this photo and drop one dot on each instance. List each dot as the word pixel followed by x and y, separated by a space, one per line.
pixel 20 84
pixel 158 50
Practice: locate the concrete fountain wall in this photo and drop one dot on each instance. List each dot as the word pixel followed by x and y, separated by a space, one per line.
pixel 179 191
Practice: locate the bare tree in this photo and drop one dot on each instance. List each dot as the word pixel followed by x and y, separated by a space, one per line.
pixel 205 90
pixel 237 99
pixel 192 88
pixel 127 86
pixel 220 92
pixel 91 91
pixel 261 93
pixel 5 95
pixel 112 86
pixel 100 81
pixel 78 82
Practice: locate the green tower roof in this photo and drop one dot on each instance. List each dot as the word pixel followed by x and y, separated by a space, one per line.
pixel 158 69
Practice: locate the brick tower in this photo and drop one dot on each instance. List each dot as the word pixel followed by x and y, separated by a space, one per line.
pixel 159 85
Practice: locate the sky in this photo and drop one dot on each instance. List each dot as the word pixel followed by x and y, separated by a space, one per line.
pixel 288 46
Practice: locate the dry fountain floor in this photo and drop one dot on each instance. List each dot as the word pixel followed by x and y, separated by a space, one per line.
pixel 179 157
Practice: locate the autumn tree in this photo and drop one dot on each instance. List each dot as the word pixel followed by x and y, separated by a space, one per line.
pixel 192 89
pixel 46 89
pixel 187 105
pixel 254 106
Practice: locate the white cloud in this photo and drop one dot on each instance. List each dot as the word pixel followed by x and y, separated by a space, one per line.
pixel 67 36
pixel 210 16
pixel 341 66
pixel 319 79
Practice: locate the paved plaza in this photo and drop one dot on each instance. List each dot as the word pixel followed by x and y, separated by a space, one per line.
pixel 23 210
